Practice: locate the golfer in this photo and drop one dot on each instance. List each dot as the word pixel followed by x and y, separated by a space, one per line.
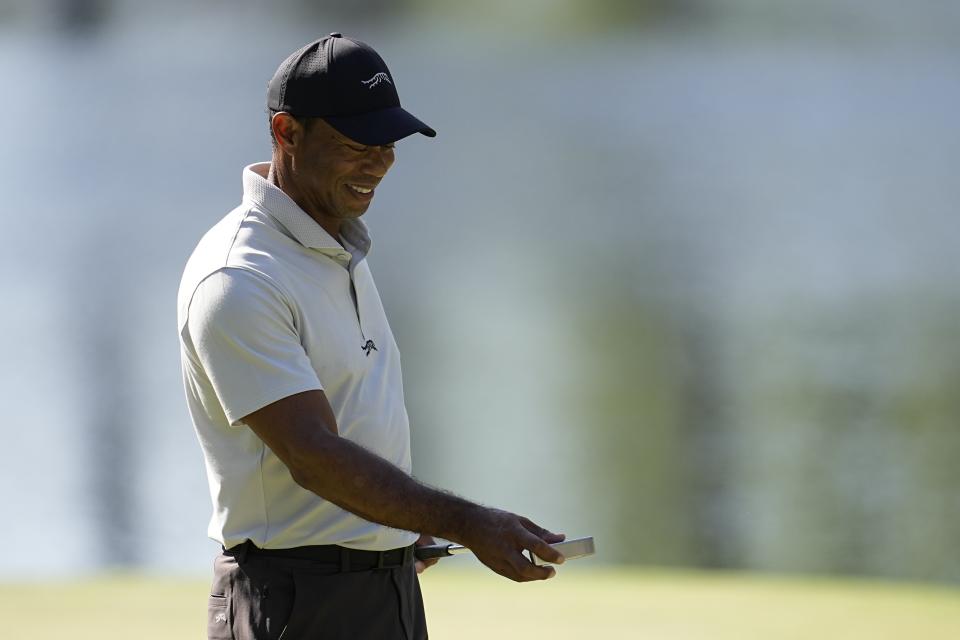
pixel 293 381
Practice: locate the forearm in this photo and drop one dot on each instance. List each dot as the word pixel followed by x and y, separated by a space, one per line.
pixel 302 431
pixel 363 483
pixel 357 480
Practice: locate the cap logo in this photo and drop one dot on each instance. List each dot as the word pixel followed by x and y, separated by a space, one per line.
pixel 375 80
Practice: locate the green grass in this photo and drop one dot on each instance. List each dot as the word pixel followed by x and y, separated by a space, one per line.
pixel 579 603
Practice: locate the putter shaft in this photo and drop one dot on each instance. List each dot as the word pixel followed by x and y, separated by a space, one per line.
pixel 577 548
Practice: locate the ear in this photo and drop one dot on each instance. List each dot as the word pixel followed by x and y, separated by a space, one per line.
pixel 287 131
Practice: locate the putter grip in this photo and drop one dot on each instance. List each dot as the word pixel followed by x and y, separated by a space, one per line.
pixel 431 551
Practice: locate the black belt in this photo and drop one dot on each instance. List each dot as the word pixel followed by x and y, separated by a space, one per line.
pixel 348 559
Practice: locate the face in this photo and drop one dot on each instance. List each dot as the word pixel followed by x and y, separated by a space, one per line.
pixel 334 177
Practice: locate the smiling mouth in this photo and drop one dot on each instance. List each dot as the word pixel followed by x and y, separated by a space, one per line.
pixel 363 191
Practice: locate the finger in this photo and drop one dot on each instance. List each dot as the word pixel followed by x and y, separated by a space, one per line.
pixel 553 537
pixel 529 571
pixel 424 540
pixel 536 529
pixel 519 569
pixel 420 566
pixel 543 550
pixel 515 566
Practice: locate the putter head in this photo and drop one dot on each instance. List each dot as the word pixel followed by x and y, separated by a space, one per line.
pixel 571 549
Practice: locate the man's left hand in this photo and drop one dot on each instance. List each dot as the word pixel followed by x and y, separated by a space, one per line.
pixel 422 565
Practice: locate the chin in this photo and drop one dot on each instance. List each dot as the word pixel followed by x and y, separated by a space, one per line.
pixel 354 211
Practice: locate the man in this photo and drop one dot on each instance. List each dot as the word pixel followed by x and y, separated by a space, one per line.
pixel 293 381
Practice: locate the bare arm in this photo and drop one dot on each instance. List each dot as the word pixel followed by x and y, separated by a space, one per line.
pixel 302 431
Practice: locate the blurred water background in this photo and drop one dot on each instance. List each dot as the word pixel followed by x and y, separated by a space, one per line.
pixel 679 275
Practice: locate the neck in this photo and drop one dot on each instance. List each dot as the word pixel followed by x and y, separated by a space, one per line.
pixel 280 175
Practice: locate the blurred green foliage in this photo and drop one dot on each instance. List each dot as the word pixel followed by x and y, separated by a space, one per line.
pixel 802 437
pixel 631 403
pixel 559 15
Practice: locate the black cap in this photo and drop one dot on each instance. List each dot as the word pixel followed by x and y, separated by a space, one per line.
pixel 345 82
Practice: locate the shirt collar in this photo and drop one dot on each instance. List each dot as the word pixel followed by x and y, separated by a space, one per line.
pixel 272 200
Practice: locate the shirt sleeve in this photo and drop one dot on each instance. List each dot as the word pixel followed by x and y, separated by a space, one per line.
pixel 244 337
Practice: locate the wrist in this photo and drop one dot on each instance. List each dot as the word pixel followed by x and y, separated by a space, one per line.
pixel 461 517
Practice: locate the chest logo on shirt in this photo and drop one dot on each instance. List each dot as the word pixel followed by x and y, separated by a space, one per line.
pixel 368 347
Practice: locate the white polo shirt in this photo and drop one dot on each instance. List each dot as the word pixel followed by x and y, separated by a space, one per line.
pixel 265 311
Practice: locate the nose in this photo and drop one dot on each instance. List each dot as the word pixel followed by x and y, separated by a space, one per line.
pixel 379 161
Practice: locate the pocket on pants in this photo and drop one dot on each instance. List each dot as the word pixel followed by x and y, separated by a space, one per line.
pixel 345 606
pixel 218 619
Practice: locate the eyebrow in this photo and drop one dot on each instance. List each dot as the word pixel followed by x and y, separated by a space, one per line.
pixel 342 140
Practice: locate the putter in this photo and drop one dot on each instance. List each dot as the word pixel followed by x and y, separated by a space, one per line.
pixel 577 548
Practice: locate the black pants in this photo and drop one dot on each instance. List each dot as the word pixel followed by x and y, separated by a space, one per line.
pixel 259 596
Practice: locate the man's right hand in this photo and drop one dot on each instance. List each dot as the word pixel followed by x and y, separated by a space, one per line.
pixel 499 538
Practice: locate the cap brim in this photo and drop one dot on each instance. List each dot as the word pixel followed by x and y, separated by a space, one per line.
pixel 379 127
